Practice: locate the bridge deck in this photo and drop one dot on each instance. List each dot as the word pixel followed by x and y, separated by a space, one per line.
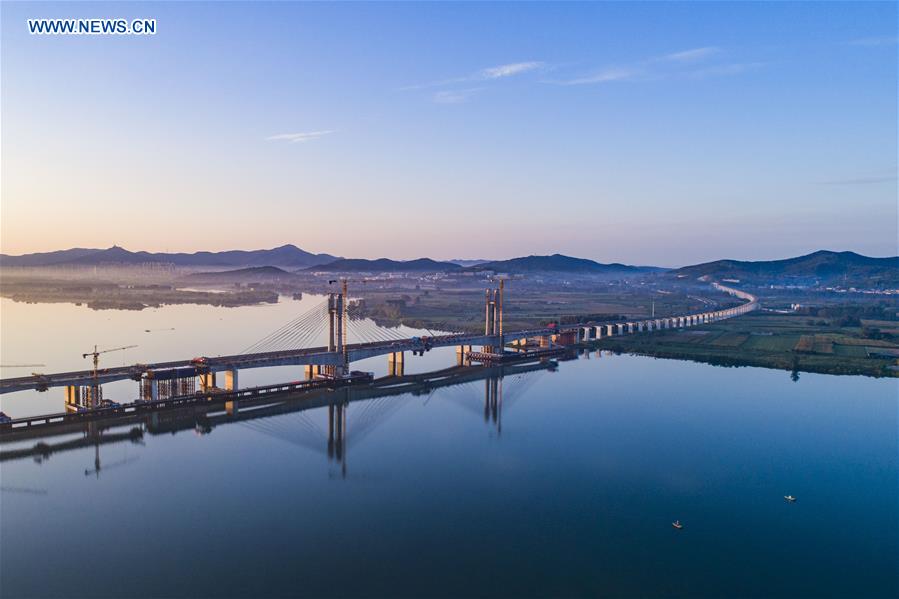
pixel 321 355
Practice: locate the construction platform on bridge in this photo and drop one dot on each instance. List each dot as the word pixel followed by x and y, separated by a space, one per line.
pixel 230 399
pixel 276 399
pixel 515 356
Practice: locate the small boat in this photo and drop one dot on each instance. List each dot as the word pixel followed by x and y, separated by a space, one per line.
pixel 676 524
pixel 790 498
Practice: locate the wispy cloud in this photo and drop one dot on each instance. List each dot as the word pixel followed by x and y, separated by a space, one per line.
pixel 676 65
pixel 861 180
pixel 886 40
pixel 490 73
pixel 455 96
pixel 507 70
pixel 686 56
pixel 298 138
pixel 604 76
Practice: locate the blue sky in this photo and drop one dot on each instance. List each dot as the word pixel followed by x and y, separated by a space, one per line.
pixel 657 133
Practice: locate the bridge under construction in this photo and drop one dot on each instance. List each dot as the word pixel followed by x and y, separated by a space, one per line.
pixel 207 379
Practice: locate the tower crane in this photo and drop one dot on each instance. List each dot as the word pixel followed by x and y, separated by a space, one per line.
pixel 96 355
pixel 95 384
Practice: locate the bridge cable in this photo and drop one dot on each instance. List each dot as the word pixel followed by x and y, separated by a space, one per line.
pixel 296 334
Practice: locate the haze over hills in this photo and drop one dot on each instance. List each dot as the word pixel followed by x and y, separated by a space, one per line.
pixel 469 262
pixel 259 274
pixel 385 265
pixel 823 266
pixel 286 255
pixel 560 263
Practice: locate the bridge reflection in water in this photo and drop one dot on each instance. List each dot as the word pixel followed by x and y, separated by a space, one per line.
pixel 352 414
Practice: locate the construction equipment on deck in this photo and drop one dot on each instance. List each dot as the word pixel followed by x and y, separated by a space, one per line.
pixel 94 396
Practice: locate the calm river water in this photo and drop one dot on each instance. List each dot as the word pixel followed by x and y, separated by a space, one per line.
pixel 566 487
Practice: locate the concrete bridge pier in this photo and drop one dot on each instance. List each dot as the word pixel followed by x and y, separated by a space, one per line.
pixel 207 381
pixel 231 380
pixel 462 351
pixel 73 397
pixel 395 363
pixel 312 371
pixel 610 330
pixel 630 327
pixel 597 332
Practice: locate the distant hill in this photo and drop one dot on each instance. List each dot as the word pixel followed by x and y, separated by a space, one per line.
pixel 559 263
pixel 46 258
pixel 385 265
pixel 289 256
pixel 820 267
pixel 258 274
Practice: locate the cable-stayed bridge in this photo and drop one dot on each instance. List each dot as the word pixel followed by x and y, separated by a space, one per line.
pixel 340 319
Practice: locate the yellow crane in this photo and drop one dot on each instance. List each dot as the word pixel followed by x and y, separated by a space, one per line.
pixel 96 354
pixel 95 398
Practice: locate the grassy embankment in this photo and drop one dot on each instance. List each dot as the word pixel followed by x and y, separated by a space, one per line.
pixel 780 341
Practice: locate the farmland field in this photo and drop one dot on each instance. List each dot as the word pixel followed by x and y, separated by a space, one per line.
pixel 775 340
